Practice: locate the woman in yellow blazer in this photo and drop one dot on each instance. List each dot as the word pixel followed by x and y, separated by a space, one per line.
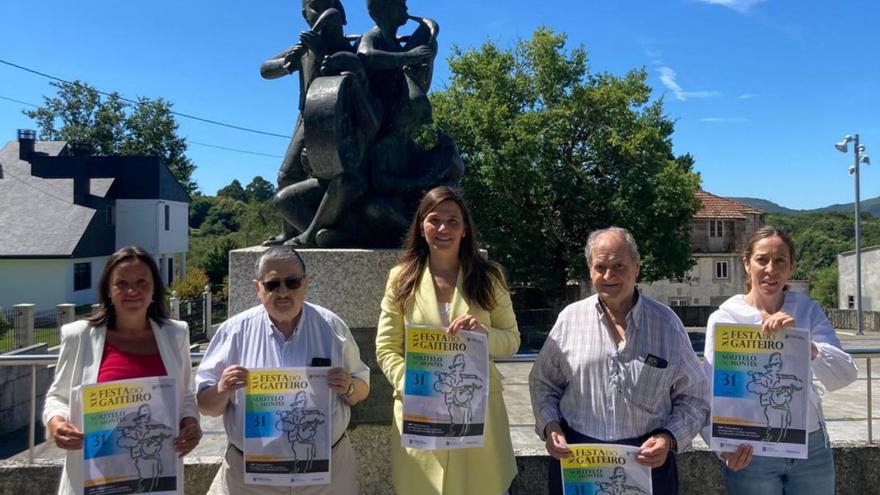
pixel 442 280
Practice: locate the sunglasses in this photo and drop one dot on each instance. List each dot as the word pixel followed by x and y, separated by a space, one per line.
pixel 292 283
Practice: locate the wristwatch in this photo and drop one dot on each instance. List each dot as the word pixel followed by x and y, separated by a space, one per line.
pixel 350 390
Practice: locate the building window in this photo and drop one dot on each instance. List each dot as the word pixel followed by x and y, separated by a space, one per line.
pixel 850 302
pixel 110 215
pixel 678 301
pixel 716 228
pixel 170 271
pixel 82 276
pixel 721 269
pixel 167 217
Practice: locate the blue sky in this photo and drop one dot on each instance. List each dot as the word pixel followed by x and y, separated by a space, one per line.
pixel 760 89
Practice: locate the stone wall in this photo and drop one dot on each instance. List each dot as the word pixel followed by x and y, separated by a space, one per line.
pixel 846 318
pixel 15 390
pixel 699 471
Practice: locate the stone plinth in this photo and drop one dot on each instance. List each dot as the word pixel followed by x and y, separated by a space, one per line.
pixel 349 282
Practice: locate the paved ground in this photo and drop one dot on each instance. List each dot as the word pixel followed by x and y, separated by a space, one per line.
pixel 845 410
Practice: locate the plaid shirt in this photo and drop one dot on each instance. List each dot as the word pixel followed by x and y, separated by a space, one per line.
pixel 614 393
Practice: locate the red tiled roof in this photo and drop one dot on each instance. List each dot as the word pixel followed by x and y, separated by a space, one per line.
pixel 718 207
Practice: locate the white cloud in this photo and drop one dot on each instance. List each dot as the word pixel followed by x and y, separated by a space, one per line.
pixel 723 120
pixel 668 76
pixel 741 6
pixel 746 96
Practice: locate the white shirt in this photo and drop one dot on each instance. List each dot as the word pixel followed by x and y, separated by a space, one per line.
pixel 613 393
pixel 251 340
pixel 833 367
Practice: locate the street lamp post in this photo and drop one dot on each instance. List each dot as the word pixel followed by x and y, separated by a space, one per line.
pixel 858 150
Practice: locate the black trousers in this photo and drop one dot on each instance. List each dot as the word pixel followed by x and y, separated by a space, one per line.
pixel 664 479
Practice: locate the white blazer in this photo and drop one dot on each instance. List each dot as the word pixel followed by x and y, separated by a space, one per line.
pixel 79 360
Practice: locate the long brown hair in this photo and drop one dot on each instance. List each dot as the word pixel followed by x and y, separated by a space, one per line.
pixel 106 314
pixel 766 232
pixel 479 274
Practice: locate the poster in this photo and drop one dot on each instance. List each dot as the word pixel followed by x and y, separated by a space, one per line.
pixel 760 387
pixel 603 469
pixel 447 388
pixel 128 428
pixel 287 427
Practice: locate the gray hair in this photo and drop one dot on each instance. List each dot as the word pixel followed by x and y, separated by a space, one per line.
pixel 278 253
pixel 624 234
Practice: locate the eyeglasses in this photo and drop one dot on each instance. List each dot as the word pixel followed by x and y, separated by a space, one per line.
pixel 292 283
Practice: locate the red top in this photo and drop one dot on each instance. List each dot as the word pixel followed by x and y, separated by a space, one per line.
pixel 119 365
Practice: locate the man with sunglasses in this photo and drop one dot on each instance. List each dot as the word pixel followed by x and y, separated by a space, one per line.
pixel 283 331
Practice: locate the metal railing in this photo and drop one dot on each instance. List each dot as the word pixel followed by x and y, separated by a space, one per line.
pixel 41 360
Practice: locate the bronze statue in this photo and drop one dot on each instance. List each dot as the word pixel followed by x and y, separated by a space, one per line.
pixel 353 173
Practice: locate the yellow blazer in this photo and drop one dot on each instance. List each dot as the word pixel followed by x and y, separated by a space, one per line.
pixel 486 470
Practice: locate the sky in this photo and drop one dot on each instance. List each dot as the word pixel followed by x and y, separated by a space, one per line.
pixel 760 90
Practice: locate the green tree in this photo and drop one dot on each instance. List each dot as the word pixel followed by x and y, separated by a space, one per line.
pixel 823 286
pixel 113 127
pixel 233 191
pixel 216 264
pixel 554 151
pixel 259 190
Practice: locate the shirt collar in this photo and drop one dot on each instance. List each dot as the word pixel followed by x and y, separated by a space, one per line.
pixel 273 331
pixel 634 313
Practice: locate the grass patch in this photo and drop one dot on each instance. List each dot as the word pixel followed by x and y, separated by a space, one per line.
pixel 49 335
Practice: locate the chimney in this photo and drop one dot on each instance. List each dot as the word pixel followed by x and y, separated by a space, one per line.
pixel 26 140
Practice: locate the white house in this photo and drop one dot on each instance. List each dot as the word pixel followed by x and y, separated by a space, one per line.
pixel 718 234
pixel 846 279
pixel 63 212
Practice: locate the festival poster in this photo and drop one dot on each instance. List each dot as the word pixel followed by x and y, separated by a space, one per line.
pixel 128 427
pixel 604 469
pixel 287 427
pixel 447 388
pixel 760 389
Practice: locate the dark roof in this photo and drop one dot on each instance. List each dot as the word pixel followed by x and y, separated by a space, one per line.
pixel 716 207
pixel 38 216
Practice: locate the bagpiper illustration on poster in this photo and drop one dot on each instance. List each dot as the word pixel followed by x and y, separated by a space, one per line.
pixel 604 469
pixel 760 390
pixel 128 427
pixel 287 427
pixel 447 388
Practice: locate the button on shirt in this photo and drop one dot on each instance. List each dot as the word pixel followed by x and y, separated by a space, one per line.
pixel 250 339
pixel 612 393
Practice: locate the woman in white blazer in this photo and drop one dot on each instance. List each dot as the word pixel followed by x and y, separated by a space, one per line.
pixel 130 336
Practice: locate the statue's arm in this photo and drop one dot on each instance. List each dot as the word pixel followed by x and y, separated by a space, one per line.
pixel 375 58
pixel 283 64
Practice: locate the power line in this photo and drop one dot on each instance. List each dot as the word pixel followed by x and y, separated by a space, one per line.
pixel 18 101
pixel 188 141
pixel 233 149
pixel 128 100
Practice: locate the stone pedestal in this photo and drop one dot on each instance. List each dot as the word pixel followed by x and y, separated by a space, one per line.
pixel 349 282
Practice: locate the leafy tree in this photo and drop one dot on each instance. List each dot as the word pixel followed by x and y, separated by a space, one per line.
pixel 823 286
pixel 224 216
pixel 198 210
pixel 113 127
pixel 259 190
pixel 216 264
pixel 233 191
pixel 192 285
pixel 554 151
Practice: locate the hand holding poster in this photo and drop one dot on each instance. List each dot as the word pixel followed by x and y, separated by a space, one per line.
pixel 287 427
pixel 604 469
pixel 128 428
pixel 759 390
pixel 447 388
